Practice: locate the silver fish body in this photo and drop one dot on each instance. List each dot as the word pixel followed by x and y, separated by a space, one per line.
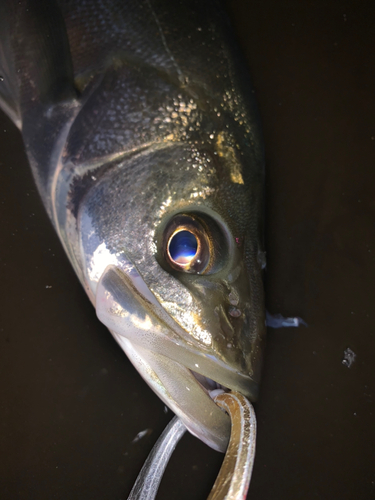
pixel 139 123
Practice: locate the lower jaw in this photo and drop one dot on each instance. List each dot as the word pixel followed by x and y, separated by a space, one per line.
pixel 181 391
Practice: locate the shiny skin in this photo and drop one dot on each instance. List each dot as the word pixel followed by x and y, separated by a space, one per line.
pixel 141 113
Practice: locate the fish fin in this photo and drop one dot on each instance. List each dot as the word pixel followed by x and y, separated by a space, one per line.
pixel 9 99
pixel 35 62
pixel 40 94
pixel 278 321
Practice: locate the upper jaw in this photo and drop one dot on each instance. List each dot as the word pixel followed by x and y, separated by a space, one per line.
pixel 125 310
pixel 166 360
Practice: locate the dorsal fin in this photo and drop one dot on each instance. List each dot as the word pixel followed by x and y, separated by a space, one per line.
pixel 9 99
pixel 35 63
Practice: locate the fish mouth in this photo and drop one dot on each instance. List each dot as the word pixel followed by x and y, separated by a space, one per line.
pixel 209 386
pixel 189 398
pixel 184 377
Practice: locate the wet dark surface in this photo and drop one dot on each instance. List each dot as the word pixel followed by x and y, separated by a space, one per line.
pixel 71 403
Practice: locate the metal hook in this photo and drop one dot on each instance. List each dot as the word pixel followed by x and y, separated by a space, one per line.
pixel 148 480
pixel 234 476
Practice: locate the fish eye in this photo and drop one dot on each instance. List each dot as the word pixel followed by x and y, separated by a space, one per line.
pixel 182 247
pixel 187 245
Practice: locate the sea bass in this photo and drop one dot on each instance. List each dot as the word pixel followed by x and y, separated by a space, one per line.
pixel 142 133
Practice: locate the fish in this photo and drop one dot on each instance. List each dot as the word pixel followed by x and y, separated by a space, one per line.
pixel 144 140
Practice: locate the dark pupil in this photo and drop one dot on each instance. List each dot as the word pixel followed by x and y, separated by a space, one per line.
pixel 183 247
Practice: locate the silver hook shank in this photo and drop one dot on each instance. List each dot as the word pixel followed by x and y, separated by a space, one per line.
pixel 148 480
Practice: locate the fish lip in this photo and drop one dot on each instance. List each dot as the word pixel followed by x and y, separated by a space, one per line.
pixel 173 367
pixel 208 382
pixel 117 291
pixel 204 377
pixel 183 395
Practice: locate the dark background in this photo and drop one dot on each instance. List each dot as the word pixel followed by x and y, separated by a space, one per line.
pixel 71 403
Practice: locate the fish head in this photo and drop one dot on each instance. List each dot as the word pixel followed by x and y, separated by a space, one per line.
pixel 171 239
